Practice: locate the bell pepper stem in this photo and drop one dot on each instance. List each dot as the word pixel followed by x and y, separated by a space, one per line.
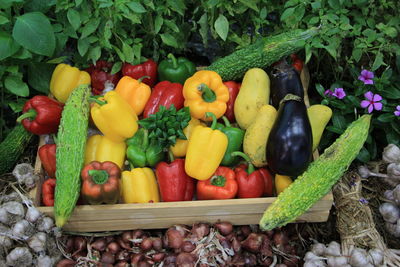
pixel 99 176
pixel 208 94
pixel 174 61
pixel 142 78
pixel 218 180
pixel 226 121
pixel 145 140
pixel 98 101
pixel 30 114
pixel 250 167
pixel 214 119
pixel 171 157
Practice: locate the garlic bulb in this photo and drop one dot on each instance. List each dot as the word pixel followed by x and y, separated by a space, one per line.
pixel 391 153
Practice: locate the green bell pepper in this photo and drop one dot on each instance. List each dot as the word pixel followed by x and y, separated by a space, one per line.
pixel 142 153
pixel 175 70
pixel 235 140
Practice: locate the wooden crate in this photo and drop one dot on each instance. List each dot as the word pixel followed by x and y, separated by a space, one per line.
pixel 96 218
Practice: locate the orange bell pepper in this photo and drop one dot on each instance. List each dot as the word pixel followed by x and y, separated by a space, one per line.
pixel 135 92
pixel 222 185
pixel 205 92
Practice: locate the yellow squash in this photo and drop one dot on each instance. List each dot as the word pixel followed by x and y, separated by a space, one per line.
pixel 281 183
pixel 253 93
pixel 256 136
pixel 319 116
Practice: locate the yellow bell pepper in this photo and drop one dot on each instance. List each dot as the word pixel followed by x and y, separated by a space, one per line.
pixel 65 79
pixel 139 186
pixel 135 92
pixel 205 92
pixel 101 148
pixel 180 147
pixel 205 151
pixel 113 116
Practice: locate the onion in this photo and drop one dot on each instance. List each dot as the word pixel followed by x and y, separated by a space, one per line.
pixel 253 242
pixel 185 259
pixel 79 254
pixel 122 264
pixel 250 259
pixel 225 228
pixel 245 230
pixel 200 230
pixel 187 246
pixel 137 234
pixel 122 243
pixel 99 244
pixel 170 260
pixel 108 257
pixel 66 263
pixel 280 239
pixel 236 246
pixel 69 245
pixel 144 264
pixel 157 244
pixel 146 244
pixel 270 233
pixel 136 258
pixel 127 236
pixel 79 244
pixel 174 238
pixel 113 247
pixel 122 255
pixel 291 262
pixel 265 249
pixel 225 243
pixel 158 257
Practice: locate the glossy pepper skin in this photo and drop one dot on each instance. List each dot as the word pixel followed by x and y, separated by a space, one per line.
pixel 173 182
pixel 205 151
pixel 101 148
pixel 135 92
pixel 41 115
pixel 235 141
pixel 165 94
pixel 147 68
pixel 47 155
pixel 142 152
pixel 99 74
pixel 205 92
pixel 65 79
pixel 114 117
pixel 233 88
pixel 139 186
pixel 221 185
pixel 100 183
pixel 175 70
pixel 250 181
pixel 180 147
pixel 48 188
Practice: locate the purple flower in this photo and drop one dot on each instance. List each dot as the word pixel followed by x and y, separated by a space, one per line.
pixel 339 93
pixel 372 101
pixel 366 76
pixel 397 112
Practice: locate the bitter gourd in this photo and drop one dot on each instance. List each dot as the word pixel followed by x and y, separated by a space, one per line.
pixel 261 54
pixel 12 147
pixel 70 154
pixel 320 176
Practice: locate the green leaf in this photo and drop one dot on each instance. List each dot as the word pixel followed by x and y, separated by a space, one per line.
pixel 116 67
pixel 334 129
pixel 94 54
pixel 74 18
pixel 158 22
pixel 136 7
pixel 90 27
pixel 8 46
pixel 18 105
pixel 57 60
pixel 387 117
pixel 263 13
pixel 221 26
pixel 356 53
pixel 251 4
pixel 391 93
pixel 171 24
pixel 39 5
pixel 14 69
pixel 377 62
pixel 3 20
pixel 5 4
pixel 204 30
pixel 364 155
pixel 287 13
pixel 353 100
pixel 339 121
pixel 23 54
pixel 177 6
pixel 396 126
pixel 370 34
pixel 128 52
pixel 390 31
pixel 168 39
pixel 34 32
pixel 119 53
pixel 15 85
pixel 335 4
pixel 320 89
pixel 393 138
pixel 39 76
pixel 83 46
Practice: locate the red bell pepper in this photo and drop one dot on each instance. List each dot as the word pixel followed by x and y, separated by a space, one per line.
pixel 148 68
pixel 174 183
pixel 100 182
pixel 41 115
pixel 47 155
pixel 48 188
pixel 233 88
pixel 221 185
pixel 99 74
pixel 165 94
pixel 250 182
pixel 268 182
pixel 297 63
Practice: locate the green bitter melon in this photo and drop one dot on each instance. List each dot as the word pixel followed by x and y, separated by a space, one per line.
pixel 320 176
pixel 70 154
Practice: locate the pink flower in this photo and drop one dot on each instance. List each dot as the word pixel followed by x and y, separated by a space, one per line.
pixel 366 76
pixel 328 93
pixel 372 101
pixel 397 112
pixel 339 93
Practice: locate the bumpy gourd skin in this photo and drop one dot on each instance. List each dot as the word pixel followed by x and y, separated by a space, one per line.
pixel 261 54
pixel 70 155
pixel 320 176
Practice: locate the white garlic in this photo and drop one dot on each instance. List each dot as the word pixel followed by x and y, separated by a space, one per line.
pixel 4 217
pixel 19 256
pixel 38 242
pixel 44 261
pixel 5 242
pixel 388 194
pixel 376 256
pixel 318 249
pixel 32 214
pixel 393 171
pixel 391 153
pixel 314 263
pixel 359 258
pixel 337 261
pixel 396 194
pixel 389 212
pixel 14 208
pixel 364 172
pixel 22 172
pixel 45 224
pixel 333 249
pixel 20 228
